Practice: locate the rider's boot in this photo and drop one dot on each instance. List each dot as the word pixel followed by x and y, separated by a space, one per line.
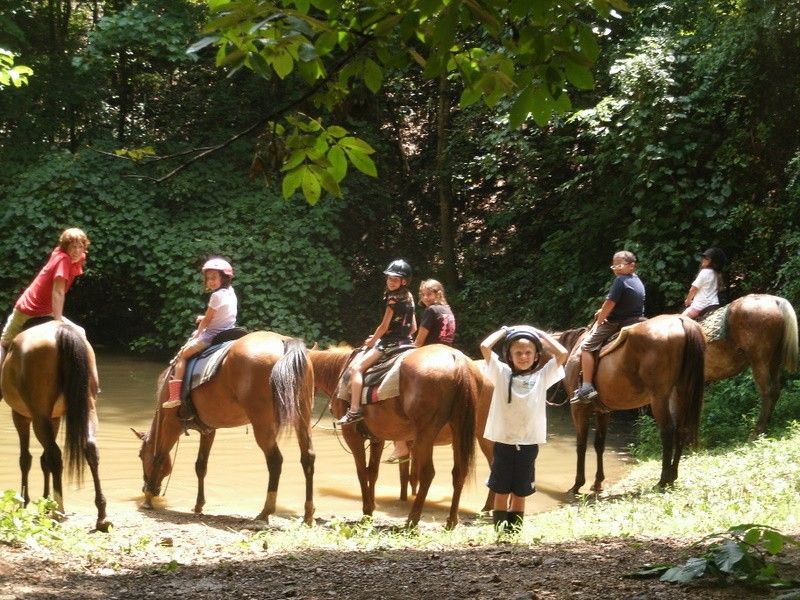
pixel 174 394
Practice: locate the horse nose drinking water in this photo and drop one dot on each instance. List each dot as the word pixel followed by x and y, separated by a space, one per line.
pixel 265 380
pixel 50 372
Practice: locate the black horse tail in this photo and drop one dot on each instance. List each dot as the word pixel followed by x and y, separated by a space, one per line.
pixel 287 381
pixel 73 381
pixel 462 419
pixel 691 380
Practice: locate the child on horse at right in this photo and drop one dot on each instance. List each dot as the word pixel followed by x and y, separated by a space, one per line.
pixel 703 295
pixel 395 329
pixel 624 305
pixel 219 316
pixel 437 326
pixel 517 420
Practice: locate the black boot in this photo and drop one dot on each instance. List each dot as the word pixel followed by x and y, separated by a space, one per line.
pixel 500 520
pixel 515 520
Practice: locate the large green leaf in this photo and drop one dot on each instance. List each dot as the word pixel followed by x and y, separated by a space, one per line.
pixel 338 168
pixel 362 162
pixel 373 75
pixel 311 186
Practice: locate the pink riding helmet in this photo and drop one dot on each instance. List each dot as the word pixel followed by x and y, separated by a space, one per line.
pixel 218 264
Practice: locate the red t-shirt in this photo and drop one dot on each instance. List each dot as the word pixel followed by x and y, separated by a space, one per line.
pixel 37 299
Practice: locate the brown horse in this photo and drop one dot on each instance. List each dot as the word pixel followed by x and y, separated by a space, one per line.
pixel 660 364
pixel 50 372
pixel 264 380
pixel 761 334
pixel 439 386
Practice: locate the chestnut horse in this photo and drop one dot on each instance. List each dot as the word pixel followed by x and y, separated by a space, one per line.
pixel 439 386
pixel 660 364
pixel 50 372
pixel 761 334
pixel 264 380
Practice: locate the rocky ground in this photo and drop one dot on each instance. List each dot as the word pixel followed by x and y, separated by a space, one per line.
pixel 202 558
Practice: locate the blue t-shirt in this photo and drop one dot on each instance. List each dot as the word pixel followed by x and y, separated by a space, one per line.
pixel 627 292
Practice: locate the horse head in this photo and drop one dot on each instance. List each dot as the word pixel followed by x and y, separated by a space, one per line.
pixel 153 476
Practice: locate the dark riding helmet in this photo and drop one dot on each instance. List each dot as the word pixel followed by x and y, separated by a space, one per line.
pixel 717 256
pixel 521 332
pixel 398 268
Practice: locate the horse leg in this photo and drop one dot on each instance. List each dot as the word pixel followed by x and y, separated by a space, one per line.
pixel 372 469
pixel 601 420
pixel 274 466
pixel 55 424
pixel 580 418
pixel 93 460
pixel 404 480
pixel 487 448
pixel 201 468
pixel 669 433
pixel 423 453
pixel 307 459
pixel 51 459
pixel 766 374
pixel 23 426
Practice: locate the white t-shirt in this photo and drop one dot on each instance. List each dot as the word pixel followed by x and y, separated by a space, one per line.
pixel 706 284
pixel 523 420
pixel 225 305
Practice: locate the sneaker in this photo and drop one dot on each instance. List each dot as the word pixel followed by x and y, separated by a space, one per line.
pixel 584 394
pixel 397 460
pixel 351 417
pixel 170 403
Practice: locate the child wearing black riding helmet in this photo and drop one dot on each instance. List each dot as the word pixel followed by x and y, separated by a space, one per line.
pixel 395 329
pixel 703 294
pixel 517 420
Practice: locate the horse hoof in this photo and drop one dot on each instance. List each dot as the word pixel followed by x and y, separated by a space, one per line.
pixel 104 526
pixel 198 510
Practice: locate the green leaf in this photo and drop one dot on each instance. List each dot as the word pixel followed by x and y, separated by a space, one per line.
pixel 469 96
pixel 328 182
pixel 354 143
pixel 728 555
pixel 291 181
pixel 283 64
pixel 362 162
pixel 541 108
pixel 297 157
pixel 579 75
pixel 200 44
pixel 521 108
pixel 311 187
pixel 338 168
pixel 336 131
pixel 694 567
pixel 373 75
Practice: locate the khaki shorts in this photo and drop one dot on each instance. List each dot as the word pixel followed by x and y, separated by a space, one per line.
pixel 16 321
pixel 602 332
pixel 192 347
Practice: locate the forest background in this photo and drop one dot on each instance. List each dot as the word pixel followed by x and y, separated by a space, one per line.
pixel 688 139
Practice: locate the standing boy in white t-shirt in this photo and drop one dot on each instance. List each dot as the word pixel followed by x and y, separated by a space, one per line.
pixel 517 421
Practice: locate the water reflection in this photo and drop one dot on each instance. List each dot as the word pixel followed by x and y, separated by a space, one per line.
pixel 237 478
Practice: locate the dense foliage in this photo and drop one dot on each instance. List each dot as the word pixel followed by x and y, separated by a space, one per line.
pixel 689 138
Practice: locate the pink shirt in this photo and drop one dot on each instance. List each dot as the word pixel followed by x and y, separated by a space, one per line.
pixel 37 299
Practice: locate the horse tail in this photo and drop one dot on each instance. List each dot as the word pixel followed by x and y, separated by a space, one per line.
pixel 691 379
pixel 287 379
pixel 73 381
pixel 789 353
pixel 462 420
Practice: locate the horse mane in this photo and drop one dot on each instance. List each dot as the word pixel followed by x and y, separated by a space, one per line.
pixel 569 337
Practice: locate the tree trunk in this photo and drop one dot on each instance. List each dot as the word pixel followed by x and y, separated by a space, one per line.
pixel 444 189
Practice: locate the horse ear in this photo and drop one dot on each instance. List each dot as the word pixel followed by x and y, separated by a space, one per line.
pixel 138 434
pixel 315 346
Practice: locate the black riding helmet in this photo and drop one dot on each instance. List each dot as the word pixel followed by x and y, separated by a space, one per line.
pixel 718 258
pixel 398 268
pixel 520 332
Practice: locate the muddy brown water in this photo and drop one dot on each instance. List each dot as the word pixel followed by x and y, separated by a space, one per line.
pixel 237 476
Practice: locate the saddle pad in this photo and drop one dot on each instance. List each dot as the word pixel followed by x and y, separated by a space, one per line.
pixel 616 341
pixel 715 324
pixel 379 383
pixel 202 367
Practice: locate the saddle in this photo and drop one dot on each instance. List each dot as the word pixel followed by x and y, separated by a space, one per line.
pixel 616 340
pixel 200 368
pixel 714 323
pixel 381 380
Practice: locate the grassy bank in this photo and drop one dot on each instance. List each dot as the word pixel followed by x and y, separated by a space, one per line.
pixel 755 483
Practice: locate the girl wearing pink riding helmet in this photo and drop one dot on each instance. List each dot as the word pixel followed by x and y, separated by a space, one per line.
pixel 220 315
